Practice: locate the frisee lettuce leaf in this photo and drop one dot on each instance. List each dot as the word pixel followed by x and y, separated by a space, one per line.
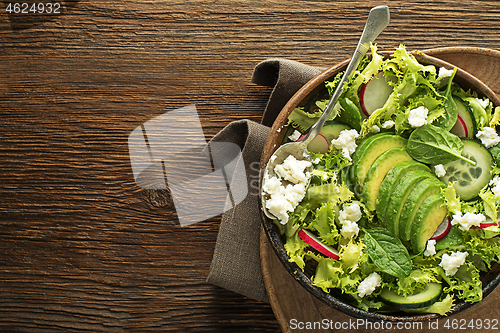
pixel 487 249
pixel 328 273
pixel 296 249
pixel 418 279
pixel 490 203
pixel 414 88
pixel 466 283
pixel 331 193
pixel 323 223
pixel 351 254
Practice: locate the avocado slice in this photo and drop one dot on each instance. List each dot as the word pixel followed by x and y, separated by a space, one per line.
pixel 429 216
pixel 390 181
pixel 398 197
pixel 424 189
pixel 377 172
pixel 368 150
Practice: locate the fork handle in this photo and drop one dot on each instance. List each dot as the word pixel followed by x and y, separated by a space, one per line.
pixel 377 20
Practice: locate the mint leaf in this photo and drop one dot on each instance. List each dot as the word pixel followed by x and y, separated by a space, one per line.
pixel 387 252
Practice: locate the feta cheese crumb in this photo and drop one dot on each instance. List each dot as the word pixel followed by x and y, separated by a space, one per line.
pixel 375 129
pixel 451 263
pixel 346 142
pixel 443 72
pixel 316 160
pixel 350 213
pixel 488 137
pixel 348 217
pixel 283 200
pixel 430 249
pixel 418 116
pixel 293 170
pixel 349 229
pixel 484 102
pixel 369 284
pixel 468 220
pixel 294 136
pixel 388 124
pixel 495 185
pixel 439 170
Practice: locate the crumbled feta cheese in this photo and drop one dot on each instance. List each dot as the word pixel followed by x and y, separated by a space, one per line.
pixel 271 185
pixel 293 170
pixel 295 136
pixel 443 72
pixel 418 116
pixel 348 217
pixel 350 213
pixel 451 263
pixel 349 229
pixel 283 200
pixel 347 142
pixel 388 124
pixel 495 185
pixel 279 130
pixel 483 102
pixel 468 220
pixel 488 137
pixel 316 160
pixel 439 170
pixel 375 129
pixel 369 284
pixel 430 249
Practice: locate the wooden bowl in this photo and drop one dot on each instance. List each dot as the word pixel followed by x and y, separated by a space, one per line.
pixel 276 135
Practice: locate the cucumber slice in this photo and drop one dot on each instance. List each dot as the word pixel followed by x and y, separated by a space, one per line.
pixel 419 299
pixel 468 179
pixel 466 123
pixel 480 114
pixel 331 130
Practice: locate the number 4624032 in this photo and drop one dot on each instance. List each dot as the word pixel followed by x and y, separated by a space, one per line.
pixel 35 8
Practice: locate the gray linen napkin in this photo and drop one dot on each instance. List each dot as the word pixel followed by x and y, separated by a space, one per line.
pixel 236 261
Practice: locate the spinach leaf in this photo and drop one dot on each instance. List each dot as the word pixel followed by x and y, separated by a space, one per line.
pixel 450 108
pixel 349 114
pixel 434 145
pixel 387 252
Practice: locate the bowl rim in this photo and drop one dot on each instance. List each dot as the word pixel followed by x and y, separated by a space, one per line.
pixel 276 135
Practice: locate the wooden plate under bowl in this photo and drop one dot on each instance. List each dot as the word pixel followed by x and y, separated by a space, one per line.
pixel 294 303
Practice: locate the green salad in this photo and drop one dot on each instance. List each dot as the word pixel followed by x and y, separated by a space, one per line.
pixel 402 210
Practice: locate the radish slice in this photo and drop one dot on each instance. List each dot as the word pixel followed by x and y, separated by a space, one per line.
pixel 313 241
pixel 374 93
pixel 442 230
pixel 318 145
pixel 487 224
pixel 460 128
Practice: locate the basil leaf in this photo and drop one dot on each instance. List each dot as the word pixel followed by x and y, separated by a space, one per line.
pixel 387 252
pixel 433 145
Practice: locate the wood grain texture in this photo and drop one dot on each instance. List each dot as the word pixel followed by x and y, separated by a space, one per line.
pixel 82 248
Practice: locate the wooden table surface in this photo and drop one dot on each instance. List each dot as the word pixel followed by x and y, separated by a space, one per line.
pixel 82 247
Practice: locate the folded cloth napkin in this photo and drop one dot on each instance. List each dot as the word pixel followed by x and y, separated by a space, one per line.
pixel 236 261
